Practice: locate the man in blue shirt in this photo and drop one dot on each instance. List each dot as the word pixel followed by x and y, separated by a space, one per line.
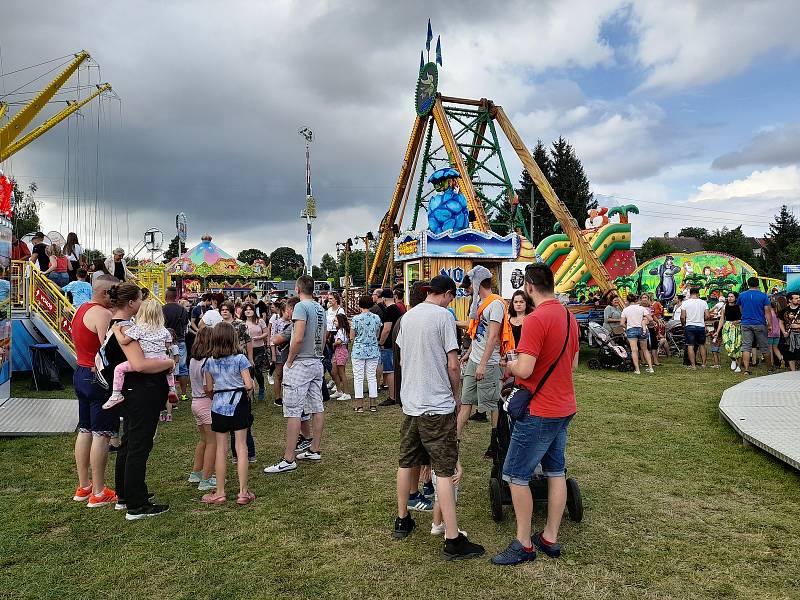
pixel 756 313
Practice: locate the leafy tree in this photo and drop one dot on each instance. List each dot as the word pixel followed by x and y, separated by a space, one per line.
pixel 93 255
pixel 730 241
pixel 355 266
pixel 328 267
pixel 251 255
pixel 174 250
pixel 701 233
pixel 26 211
pixel 651 248
pixel 286 263
pixel 784 234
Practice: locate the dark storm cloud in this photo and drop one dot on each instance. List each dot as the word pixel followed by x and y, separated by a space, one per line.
pixel 776 147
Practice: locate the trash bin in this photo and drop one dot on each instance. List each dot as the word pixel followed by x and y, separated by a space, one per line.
pixel 46 374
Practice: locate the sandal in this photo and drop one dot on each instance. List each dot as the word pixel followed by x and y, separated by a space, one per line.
pixel 245 498
pixel 373 409
pixel 213 498
pixel 360 409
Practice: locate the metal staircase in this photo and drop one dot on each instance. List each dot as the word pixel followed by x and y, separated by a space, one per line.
pixel 38 300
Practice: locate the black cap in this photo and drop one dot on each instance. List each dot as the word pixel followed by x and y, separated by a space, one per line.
pixel 440 284
pixel 387 293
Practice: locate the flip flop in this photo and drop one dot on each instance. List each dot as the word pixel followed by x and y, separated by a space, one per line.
pixel 213 498
pixel 373 409
pixel 360 409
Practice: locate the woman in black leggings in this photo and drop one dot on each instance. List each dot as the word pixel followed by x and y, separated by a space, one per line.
pixel 145 392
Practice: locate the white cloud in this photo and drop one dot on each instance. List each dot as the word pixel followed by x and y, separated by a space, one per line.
pixel 773 184
pixel 685 44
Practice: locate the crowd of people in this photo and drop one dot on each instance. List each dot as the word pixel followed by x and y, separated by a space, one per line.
pixel 751 327
pixel 137 358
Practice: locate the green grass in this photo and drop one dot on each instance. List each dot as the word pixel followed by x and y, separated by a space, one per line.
pixel 675 508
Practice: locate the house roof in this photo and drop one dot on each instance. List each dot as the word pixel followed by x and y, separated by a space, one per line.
pixel 684 244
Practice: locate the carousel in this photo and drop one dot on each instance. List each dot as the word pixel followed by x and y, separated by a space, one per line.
pixel 208 268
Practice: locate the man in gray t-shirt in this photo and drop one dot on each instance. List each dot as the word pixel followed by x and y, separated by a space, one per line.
pixel 303 377
pixel 480 386
pixel 430 394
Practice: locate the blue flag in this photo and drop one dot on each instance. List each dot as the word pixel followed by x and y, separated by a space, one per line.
pixel 430 37
pixel 421 61
pixel 439 50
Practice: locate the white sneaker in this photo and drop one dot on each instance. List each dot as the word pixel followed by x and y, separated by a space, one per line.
pixel 344 397
pixel 439 529
pixel 733 365
pixel 309 455
pixel 737 370
pixel 271 379
pixel 281 467
pixel 650 370
pixel 336 395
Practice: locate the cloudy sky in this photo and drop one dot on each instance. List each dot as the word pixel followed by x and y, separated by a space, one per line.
pixel 687 109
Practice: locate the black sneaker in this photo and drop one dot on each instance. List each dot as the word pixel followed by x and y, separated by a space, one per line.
pixel 278 402
pixel 552 550
pixel 490 452
pixel 303 443
pixel 461 548
pixel 480 417
pixel 403 527
pixel 387 402
pixel 148 510
pixel 122 505
pixel 112 448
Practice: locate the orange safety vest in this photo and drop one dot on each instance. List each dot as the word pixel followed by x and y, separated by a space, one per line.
pixel 506 334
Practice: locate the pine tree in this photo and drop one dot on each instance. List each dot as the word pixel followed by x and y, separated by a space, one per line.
pixel 783 233
pixel 569 181
pixel 541 212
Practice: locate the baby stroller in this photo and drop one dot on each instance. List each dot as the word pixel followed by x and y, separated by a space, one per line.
pixel 612 355
pixel 499 493
pixel 673 331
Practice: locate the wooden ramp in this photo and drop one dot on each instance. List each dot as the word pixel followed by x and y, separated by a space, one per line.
pixel 38 416
pixel 765 411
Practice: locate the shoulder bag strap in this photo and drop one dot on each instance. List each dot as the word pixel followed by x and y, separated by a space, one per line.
pixel 555 362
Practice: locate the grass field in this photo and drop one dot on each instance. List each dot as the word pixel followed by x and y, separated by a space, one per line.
pixel 675 508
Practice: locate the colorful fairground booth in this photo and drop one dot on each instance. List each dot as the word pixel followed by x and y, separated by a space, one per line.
pixel 421 255
pixel 208 268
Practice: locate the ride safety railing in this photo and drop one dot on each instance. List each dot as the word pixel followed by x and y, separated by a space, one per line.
pixel 33 293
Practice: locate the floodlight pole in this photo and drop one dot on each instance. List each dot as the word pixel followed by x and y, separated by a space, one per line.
pixel 310 211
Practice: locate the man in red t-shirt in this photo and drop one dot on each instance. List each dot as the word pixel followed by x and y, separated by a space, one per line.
pixel 541 437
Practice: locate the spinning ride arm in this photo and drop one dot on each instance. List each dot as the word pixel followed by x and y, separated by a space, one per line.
pixel 568 223
pixel 71 108
pixel 14 128
pixel 387 231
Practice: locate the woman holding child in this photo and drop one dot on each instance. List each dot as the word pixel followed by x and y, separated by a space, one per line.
pixel 145 393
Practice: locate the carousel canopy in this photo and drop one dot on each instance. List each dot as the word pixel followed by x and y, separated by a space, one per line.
pixel 207 259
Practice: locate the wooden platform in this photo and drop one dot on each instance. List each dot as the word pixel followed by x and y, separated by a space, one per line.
pixel 38 416
pixel 765 411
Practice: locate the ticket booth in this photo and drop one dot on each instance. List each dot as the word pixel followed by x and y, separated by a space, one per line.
pixel 422 255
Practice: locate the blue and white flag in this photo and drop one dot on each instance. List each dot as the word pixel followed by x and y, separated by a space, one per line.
pixel 439 50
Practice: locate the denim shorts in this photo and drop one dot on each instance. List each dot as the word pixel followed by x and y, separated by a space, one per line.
pixel 183 368
pixel 536 440
pixel 773 341
pixel 387 360
pixel 694 335
pixel 636 333
pixel 92 417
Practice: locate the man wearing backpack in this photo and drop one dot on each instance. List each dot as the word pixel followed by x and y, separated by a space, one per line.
pixel 491 335
pixel 95 425
pixel 548 354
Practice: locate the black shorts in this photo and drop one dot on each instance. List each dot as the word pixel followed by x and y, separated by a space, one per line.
pixel 242 418
pixel 429 440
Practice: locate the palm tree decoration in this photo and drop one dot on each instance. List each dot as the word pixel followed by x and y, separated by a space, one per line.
pixel 579 289
pixel 556 227
pixel 722 284
pixel 623 211
pixel 624 282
